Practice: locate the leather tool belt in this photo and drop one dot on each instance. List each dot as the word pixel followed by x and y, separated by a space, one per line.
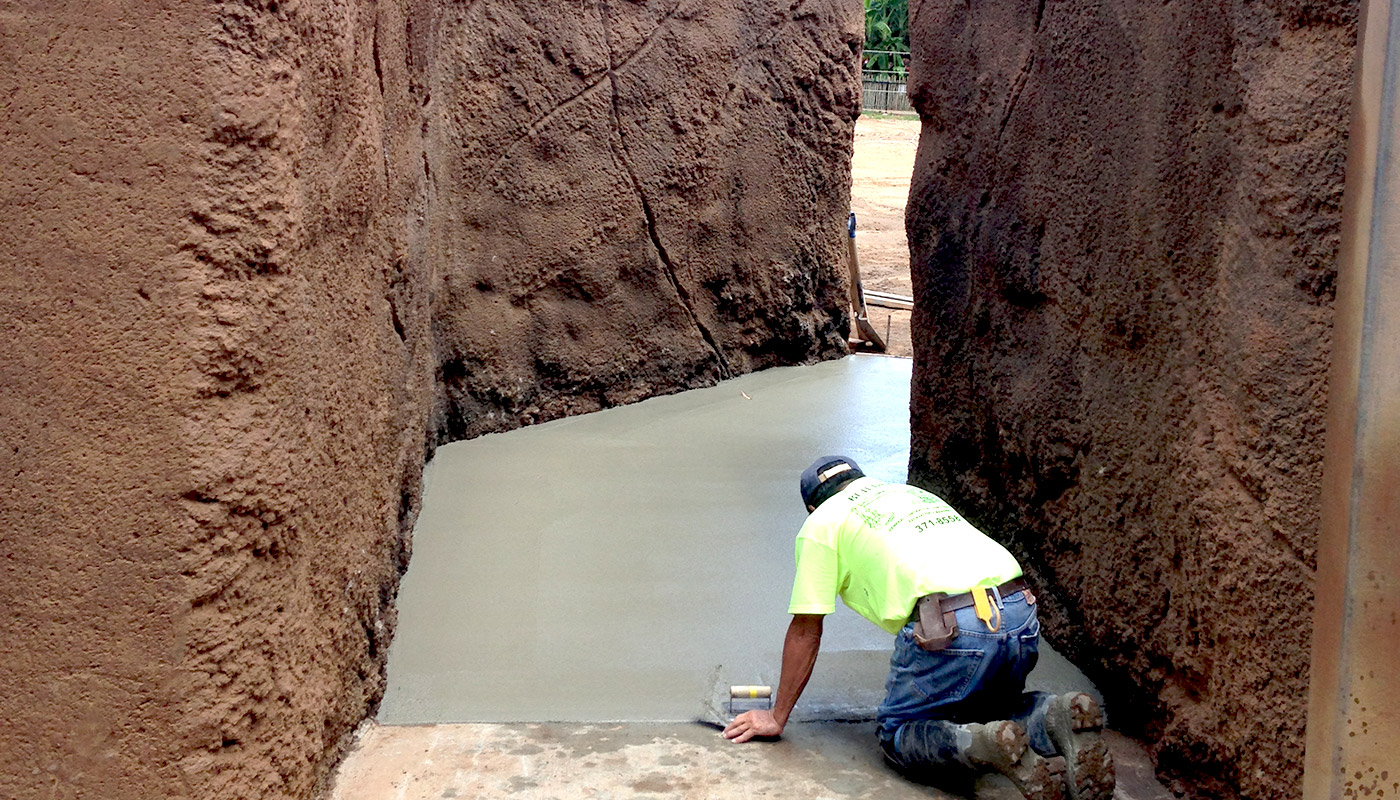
pixel 936 624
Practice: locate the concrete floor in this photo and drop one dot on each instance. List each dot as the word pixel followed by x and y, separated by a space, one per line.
pixel 626 566
pixel 656 760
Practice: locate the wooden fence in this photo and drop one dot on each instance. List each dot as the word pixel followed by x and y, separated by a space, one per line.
pixel 883 91
pixel 882 80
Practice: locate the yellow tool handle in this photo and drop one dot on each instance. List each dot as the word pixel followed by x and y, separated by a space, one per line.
pixel 985 609
pixel 750 692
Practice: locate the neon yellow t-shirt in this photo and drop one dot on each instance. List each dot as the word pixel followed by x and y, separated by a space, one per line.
pixel 881 546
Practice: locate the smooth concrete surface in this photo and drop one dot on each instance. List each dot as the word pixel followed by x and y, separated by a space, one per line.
pixel 651 760
pixel 630 564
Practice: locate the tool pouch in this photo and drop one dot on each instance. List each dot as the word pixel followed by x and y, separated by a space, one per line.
pixel 934 628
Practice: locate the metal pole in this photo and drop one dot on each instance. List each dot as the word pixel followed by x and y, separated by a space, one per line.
pixel 1353 739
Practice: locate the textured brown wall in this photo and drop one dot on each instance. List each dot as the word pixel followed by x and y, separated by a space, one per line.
pixel 1124 220
pixel 244 241
pixel 215 430
pixel 92 456
pixel 643 196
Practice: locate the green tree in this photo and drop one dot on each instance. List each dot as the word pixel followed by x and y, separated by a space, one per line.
pixel 886 33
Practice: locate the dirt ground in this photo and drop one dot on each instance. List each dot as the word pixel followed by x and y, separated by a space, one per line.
pixel 880 171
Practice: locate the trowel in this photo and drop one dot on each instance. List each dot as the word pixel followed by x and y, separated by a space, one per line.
pixel 721 704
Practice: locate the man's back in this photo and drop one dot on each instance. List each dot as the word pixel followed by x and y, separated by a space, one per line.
pixel 881 546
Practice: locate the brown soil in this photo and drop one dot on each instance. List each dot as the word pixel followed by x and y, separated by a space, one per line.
pixel 880 173
pixel 1124 231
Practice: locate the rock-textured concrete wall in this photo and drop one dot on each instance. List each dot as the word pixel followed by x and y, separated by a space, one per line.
pixel 1124 220
pixel 261 255
pixel 642 197
pixel 215 389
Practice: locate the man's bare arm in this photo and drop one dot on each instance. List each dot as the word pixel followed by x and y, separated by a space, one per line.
pixel 803 640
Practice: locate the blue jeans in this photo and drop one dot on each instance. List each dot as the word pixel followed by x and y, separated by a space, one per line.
pixel 980 677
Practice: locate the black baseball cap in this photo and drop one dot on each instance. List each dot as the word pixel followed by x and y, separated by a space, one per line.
pixel 820 481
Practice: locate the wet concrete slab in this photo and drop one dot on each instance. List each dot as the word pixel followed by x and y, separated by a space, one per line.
pixel 629 564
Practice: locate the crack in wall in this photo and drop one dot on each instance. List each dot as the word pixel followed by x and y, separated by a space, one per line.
pixel 606 78
pixel 1019 84
pixel 779 26
pixel 374 51
pixel 1016 87
pixel 623 156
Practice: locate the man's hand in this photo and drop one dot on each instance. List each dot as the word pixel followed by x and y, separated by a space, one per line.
pixel 753 723
pixel 804 639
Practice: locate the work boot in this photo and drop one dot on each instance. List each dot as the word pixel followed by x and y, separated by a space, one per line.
pixel 1075 724
pixel 1004 747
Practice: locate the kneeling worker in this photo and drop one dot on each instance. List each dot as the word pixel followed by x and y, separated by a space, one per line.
pixel 966 637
